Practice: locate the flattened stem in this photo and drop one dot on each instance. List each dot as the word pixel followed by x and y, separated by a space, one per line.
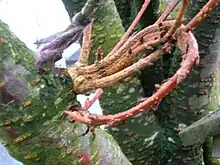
pixel 86 46
pixel 88 77
pixel 191 56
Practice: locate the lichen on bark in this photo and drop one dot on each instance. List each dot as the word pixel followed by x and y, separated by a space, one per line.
pixel 107 30
pixel 33 128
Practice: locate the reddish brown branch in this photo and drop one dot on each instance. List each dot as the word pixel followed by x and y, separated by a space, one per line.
pixel 188 60
pixel 87 78
pixel 123 66
pixel 131 28
pixel 150 34
pixel 123 57
pixel 179 17
pixel 86 46
pixel 168 10
pixel 204 12
pixel 89 103
pixel 112 79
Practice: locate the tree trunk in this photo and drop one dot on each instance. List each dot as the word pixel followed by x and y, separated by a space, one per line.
pixel 154 139
pixel 33 127
pixel 37 133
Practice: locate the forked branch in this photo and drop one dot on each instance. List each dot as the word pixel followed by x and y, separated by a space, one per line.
pixel 120 64
pixel 191 56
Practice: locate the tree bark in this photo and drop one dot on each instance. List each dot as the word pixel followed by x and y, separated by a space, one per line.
pixel 135 132
pixel 37 132
pixel 154 139
pixel 32 127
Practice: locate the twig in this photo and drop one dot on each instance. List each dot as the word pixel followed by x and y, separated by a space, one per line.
pixel 89 103
pixel 179 17
pixel 204 12
pixel 131 28
pixel 150 34
pixel 112 79
pixel 124 67
pixel 123 58
pixel 168 10
pixel 86 46
pixel 189 59
pixel 191 56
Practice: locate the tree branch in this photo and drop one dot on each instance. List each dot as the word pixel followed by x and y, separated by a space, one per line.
pixel 168 10
pixel 204 12
pixel 131 27
pixel 189 48
pixel 199 131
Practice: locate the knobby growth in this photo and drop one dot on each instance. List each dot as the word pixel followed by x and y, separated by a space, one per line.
pixel 120 63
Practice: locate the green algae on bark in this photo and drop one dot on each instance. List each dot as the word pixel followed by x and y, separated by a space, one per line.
pixel 34 129
pixel 186 104
pixel 107 30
